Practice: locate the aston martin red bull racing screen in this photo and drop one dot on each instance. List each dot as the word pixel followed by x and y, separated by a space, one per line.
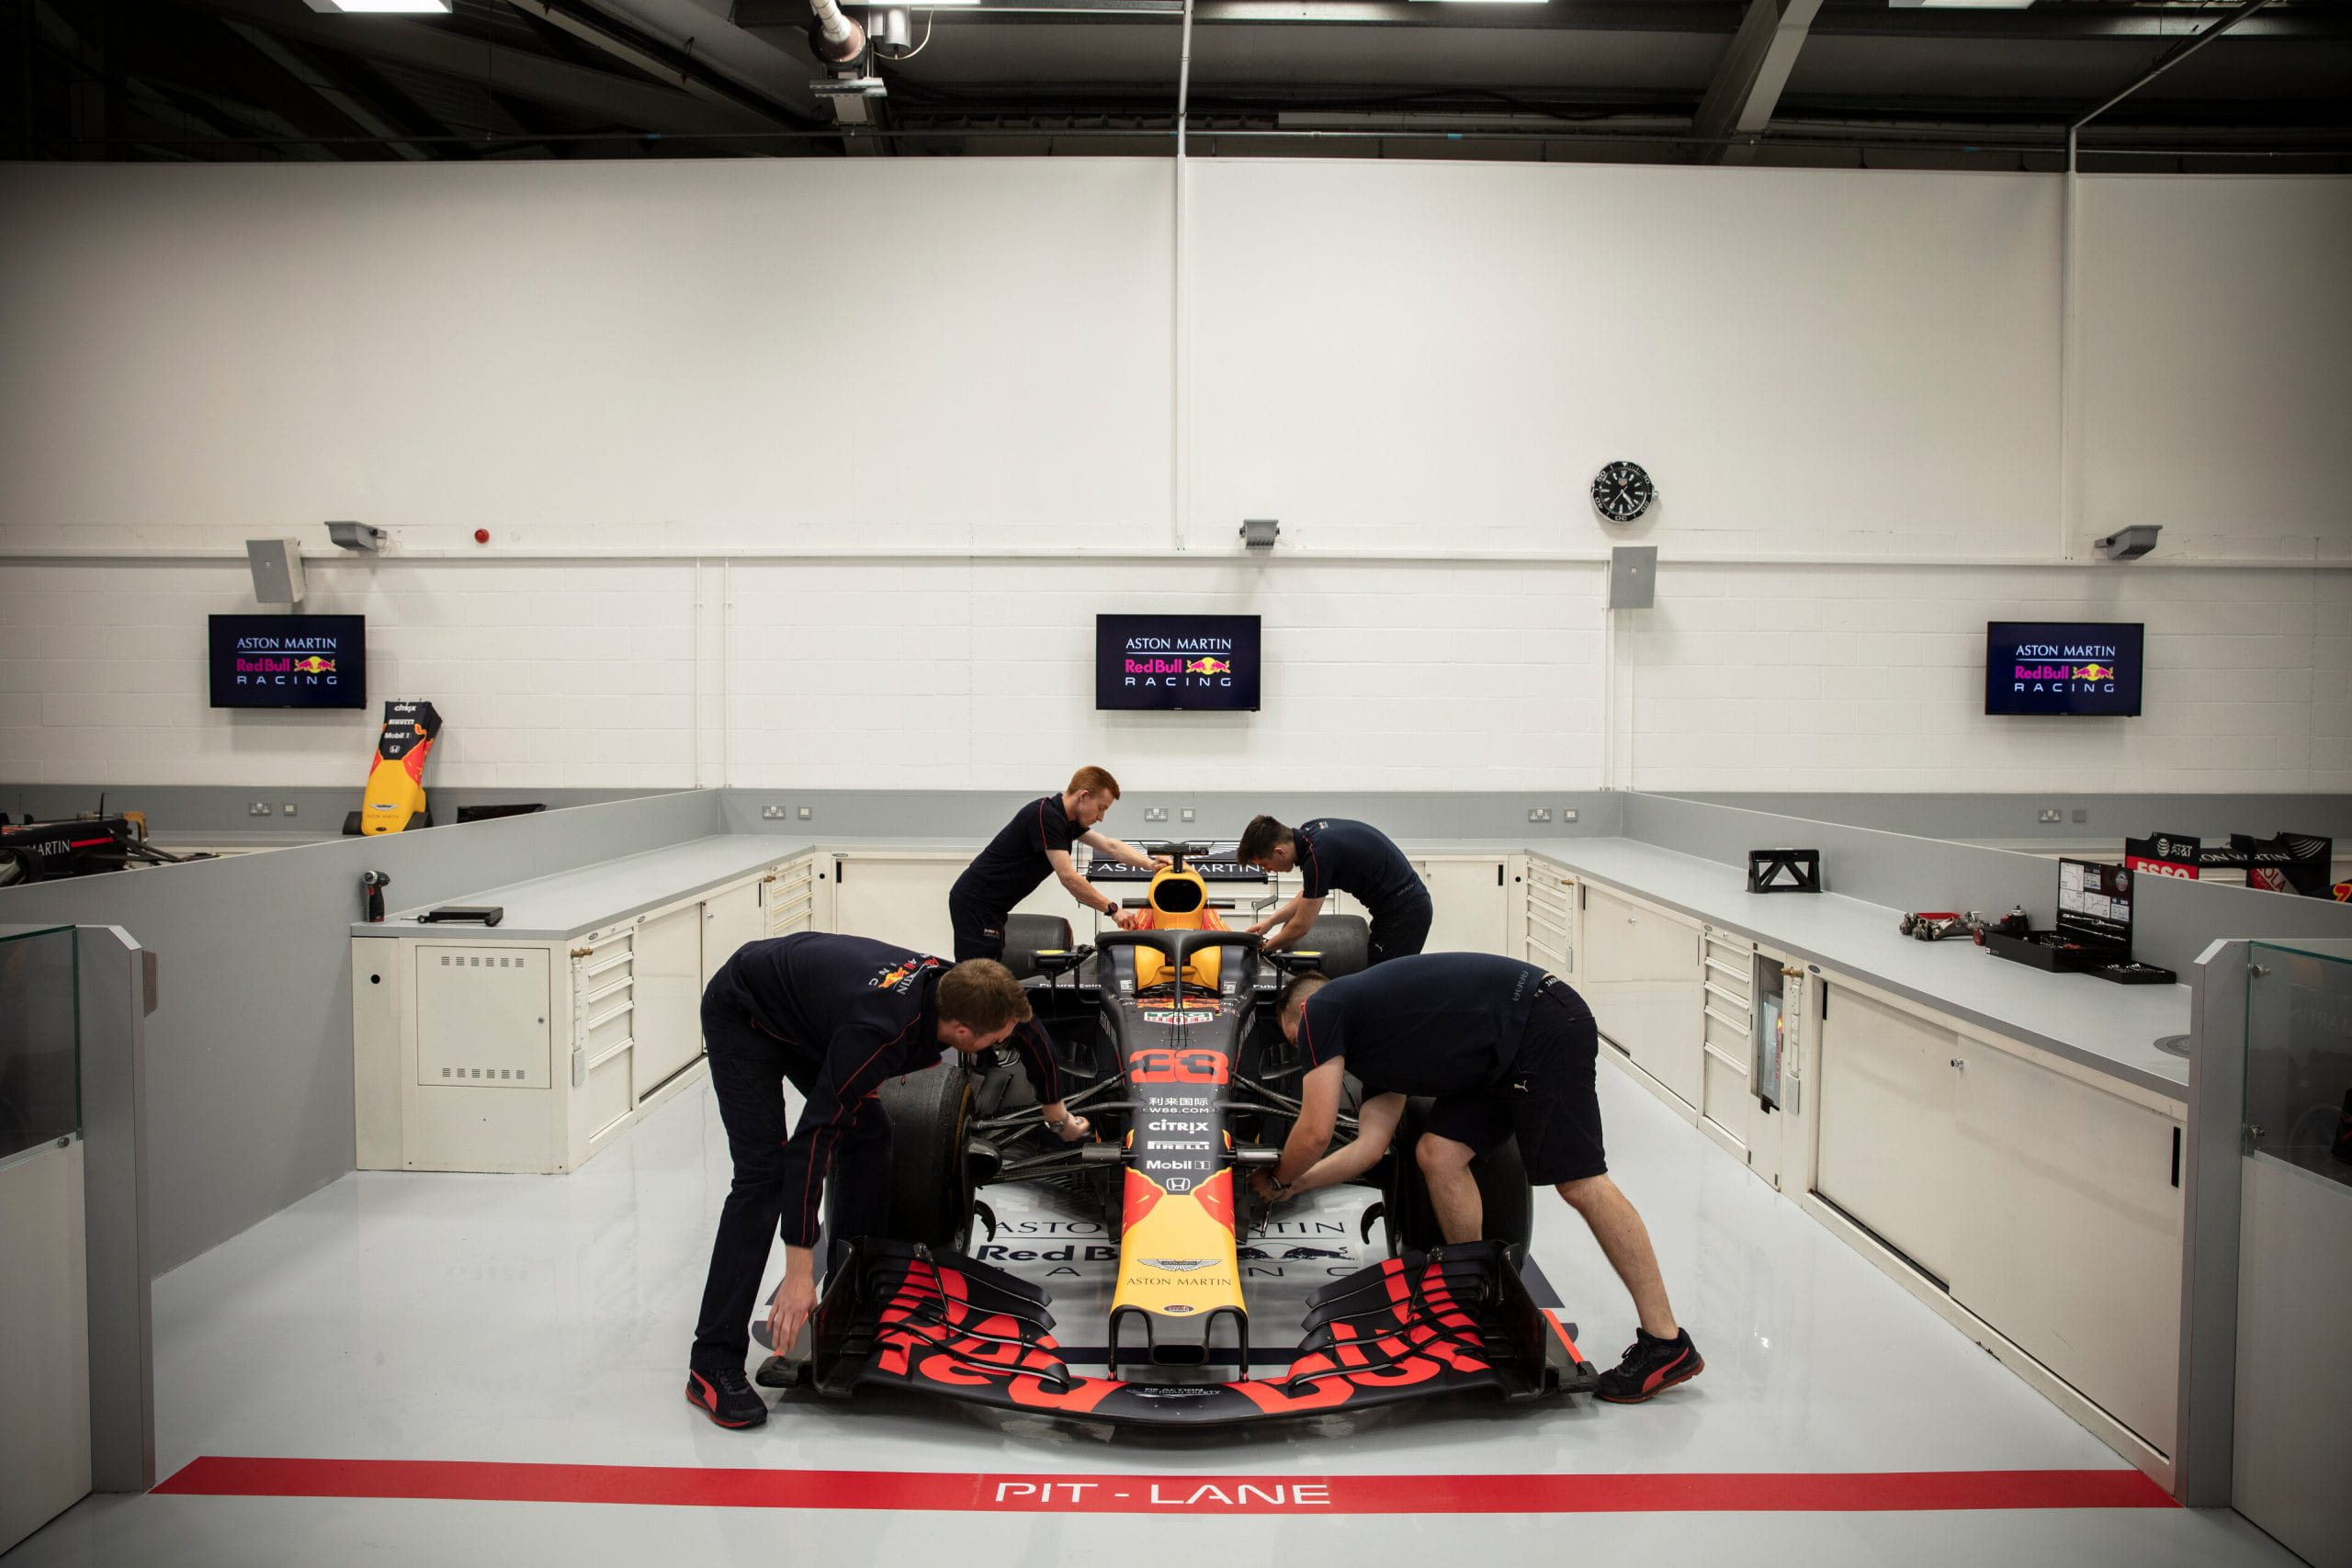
pixel 288 662
pixel 1176 662
pixel 2063 667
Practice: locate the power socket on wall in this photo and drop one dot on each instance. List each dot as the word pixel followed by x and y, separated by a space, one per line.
pixel 1539 814
pixel 773 813
pixel 2051 814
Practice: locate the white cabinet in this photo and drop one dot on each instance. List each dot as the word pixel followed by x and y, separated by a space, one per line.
pixel 2042 1202
pixel 900 898
pixel 667 965
pixel 1888 1099
pixel 730 916
pixel 2069 1232
pixel 1471 900
pixel 1640 973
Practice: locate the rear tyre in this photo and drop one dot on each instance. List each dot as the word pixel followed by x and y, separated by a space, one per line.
pixel 1344 942
pixel 1025 936
pixel 930 1184
pixel 1506 1199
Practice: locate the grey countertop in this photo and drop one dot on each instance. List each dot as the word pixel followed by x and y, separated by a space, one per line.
pixel 556 909
pixel 2110 1028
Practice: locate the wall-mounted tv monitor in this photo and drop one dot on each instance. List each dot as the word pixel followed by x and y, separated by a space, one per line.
pixel 1176 662
pixel 2089 668
pixel 288 662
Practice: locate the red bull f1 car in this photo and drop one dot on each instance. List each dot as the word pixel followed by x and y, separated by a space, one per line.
pixel 1171 1033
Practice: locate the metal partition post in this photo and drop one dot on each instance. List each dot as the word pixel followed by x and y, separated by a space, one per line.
pixel 2208 1240
pixel 116 994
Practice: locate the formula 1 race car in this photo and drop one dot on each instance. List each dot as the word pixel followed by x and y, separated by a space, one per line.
pixel 1172 1031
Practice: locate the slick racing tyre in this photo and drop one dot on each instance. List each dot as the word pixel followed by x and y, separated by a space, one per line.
pixel 1025 936
pixel 931 1185
pixel 1505 1198
pixel 1344 942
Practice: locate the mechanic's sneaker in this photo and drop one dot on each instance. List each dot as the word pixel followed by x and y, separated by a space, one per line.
pixel 726 1396
pixel 1651 1365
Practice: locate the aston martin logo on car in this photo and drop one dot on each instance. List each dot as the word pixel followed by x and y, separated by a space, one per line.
pixel 1180 1265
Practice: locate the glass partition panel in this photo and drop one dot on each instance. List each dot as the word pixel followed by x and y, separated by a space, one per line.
pixel 41 1068
pixel 2298 1056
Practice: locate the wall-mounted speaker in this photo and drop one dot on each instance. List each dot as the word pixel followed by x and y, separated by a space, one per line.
pixel 1632 576
pixel 278 570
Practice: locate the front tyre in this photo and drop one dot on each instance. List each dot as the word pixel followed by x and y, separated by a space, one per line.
pixel 931 1182
pixel 1505 1201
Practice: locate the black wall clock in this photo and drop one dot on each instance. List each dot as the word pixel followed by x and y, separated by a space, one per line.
pixel 1622 491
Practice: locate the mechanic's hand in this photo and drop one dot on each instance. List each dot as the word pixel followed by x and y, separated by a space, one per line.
pixel 1160 862
pixel 1261 1183
pixel 1261 928
pixel 1075 1128
pixel 795 1300
pixel 1129 919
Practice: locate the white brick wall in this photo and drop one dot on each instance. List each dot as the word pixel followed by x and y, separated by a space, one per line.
pixel 547 674
pixel 974 674
pixel 977 674
pixel 1872 679
pixel 1387 356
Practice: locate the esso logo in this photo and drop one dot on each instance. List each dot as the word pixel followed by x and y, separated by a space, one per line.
pixel 1177 1066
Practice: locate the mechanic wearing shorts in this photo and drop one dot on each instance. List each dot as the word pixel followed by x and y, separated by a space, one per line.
pixel 833 1016
pixel 1036 842
pixel 1353 857
pixel 1508 1050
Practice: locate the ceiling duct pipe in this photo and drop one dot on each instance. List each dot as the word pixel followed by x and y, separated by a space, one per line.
pixel 837 39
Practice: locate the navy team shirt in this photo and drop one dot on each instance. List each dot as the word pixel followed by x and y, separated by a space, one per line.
pixel 1014 862
pixel 1433 1024
pixel 866 1008
pixel 1357 858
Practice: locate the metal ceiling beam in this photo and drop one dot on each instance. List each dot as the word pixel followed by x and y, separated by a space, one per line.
pixel 640 105
pixel 347 108
pixel 2061 24
pixel 2164 62
pixel 658 60
pixel 1738 102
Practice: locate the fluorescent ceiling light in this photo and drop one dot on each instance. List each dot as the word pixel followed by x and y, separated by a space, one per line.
pixel 398 7
pixel 1489 2
pixel 1959 5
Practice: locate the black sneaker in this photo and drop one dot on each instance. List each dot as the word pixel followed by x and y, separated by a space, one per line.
pixel 726 1396
pixel 1651 1366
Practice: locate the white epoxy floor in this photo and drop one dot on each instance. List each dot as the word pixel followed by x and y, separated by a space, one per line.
pixel 545 1320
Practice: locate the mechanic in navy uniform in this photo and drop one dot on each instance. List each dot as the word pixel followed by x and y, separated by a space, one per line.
pixel 1353 857
pixel 1507 1050
pixel 1035 844
pixel 833 1016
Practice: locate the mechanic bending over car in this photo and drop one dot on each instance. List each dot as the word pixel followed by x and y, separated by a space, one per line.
pixel 1036 842
pixel 1354 857
pixel 1506 1049
pixel 833 1016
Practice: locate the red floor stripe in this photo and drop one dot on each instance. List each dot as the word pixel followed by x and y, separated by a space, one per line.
pixel 1011 1491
